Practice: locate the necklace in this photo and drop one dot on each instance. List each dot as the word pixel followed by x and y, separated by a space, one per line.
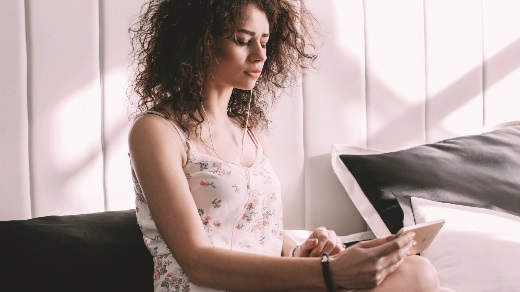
pixel 212 147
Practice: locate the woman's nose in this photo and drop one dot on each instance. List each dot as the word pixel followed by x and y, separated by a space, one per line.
pixel 258 53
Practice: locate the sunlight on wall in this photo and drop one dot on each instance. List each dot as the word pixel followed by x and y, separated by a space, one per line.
pixel 74 131
pixel 454 68
pixel 502 57
pixel 344 14
pixel 74 148
pixel 457 120
pixel 78 128
pixel 505 106
pixel 118 181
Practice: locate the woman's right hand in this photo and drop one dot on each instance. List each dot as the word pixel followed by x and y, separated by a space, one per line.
pixel 320 241
pixel 366 264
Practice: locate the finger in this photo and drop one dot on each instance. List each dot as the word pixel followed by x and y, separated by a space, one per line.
pixel 393 245
pixel 317 232
pixel 338 248
pixel 325 244
pixel 402 253
pixel 307 246
pixel 394 260
pixel 331 243
pixel 414 243
pixel 394 267
pixel 390 267
pixel 373 242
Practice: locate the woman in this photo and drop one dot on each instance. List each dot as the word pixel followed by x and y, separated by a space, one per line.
pixel 208 201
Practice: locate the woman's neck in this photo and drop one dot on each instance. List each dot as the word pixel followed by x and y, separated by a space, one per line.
pixel 215 103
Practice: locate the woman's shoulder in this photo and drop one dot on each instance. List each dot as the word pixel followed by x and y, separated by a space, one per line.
pixel 153 128
pixel 146 122
pixel 153 136
pixel 150 115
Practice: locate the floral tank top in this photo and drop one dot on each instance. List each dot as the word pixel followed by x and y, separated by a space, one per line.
pixel 240 208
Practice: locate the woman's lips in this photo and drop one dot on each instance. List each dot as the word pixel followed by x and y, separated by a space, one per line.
pixel 254 73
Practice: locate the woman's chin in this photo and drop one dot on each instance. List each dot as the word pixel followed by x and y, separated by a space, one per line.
pixel 248 86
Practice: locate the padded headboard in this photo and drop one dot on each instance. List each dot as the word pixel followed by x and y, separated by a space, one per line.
pixel 391 75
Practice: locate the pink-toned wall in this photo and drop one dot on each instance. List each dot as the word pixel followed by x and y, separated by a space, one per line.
pixel 391 75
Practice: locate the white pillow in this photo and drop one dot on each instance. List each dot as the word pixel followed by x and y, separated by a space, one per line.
pixel 476 250
pixel 359 199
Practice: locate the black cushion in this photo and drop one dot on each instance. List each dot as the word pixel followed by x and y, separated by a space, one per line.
pixel 92 252
pixel 479 171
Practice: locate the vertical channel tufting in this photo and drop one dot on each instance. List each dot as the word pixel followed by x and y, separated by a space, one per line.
pixel 334 111
pixel 14 159
pixel 483 68
pixel 101 26
pixel 115 18
pixel 501 55
pixel 425 44
pixel 66 164
pixel 28 101
pixel 67 75
pixel 365 87
pixel 454 70
pixel 395 74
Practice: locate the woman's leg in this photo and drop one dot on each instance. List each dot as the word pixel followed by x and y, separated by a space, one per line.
pixel 416 274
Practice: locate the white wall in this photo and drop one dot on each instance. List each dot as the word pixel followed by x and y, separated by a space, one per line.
pixel 391 75
pixel 64 124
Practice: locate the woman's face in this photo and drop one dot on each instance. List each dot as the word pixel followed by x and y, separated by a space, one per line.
pixel 240 58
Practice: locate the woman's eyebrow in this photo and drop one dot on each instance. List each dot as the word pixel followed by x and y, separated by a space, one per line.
pixel 251 33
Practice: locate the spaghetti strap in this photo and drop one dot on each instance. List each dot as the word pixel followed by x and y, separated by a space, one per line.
pixel 253 137
pixel 179 131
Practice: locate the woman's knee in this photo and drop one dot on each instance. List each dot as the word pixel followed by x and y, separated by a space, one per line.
pixel 422 272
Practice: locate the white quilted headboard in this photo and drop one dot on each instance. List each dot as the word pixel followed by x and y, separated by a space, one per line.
pixel 391 75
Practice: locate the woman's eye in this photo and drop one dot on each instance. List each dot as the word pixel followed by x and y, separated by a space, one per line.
pixel 242 42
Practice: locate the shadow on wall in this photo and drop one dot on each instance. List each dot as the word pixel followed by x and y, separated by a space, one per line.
pixel 77 82
pixel 77 135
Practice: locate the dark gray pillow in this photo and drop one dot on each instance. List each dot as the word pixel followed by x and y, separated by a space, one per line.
pixel 480 171
pixel 91 252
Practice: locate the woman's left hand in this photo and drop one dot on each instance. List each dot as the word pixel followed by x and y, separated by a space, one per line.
pixel 320 241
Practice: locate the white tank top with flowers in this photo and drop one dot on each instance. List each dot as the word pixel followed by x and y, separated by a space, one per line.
pixel 240 208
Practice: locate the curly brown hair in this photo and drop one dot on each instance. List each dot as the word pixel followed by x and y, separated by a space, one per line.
pixel 174 44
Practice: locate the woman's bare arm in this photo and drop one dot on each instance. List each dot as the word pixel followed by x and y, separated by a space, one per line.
pixel 157 155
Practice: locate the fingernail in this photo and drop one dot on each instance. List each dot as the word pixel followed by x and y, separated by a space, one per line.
pixel 414 243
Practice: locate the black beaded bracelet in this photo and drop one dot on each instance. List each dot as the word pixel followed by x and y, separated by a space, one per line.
pixel 326 272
